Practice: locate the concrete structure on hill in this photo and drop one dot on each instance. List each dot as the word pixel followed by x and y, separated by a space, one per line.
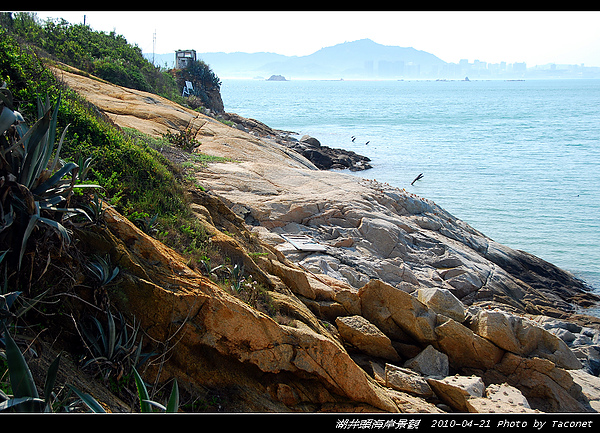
pixel 184 57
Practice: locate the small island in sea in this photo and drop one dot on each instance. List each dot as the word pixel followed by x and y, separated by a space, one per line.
pixel 276 78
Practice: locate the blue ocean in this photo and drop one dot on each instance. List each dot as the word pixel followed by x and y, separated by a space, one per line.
pixel 517 160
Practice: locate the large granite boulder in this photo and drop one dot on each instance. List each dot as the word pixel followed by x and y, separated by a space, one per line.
pixel 360 333
pixel 456 390
pixel 442 301
pixel 398 314
pixel 430 362
pixel 406 380
pixel 523 337
pixel 465 349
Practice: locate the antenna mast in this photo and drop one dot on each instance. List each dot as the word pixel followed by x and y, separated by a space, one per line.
pixel 153 45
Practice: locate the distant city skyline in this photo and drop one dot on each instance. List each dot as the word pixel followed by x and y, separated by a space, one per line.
pixel 365 59
pixel 531 37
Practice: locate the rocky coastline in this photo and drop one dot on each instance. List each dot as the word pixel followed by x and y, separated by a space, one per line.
pixel 323 157
pixel 387 302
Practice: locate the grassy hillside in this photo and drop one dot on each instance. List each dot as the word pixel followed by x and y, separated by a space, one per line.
pixel 108 56
pixel 132 174
pixel 137 179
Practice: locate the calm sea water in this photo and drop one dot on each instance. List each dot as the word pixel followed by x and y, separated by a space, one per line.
pixel 517 160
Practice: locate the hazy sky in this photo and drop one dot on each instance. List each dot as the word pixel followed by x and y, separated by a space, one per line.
pixel 535 37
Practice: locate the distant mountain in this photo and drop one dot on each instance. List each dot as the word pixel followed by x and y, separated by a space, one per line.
pixel 365 58
pixel 353 60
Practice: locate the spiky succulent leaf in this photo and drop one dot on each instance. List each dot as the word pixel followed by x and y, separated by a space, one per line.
pixel 173 404
pixel 88 400
pixel 142 393
pixel 51 379
pixel 21 379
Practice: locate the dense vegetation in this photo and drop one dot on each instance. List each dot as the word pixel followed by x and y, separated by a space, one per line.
pixel 136 178
pixel 107 56
pixel 203 79
pixel 133 175
pixel 53 179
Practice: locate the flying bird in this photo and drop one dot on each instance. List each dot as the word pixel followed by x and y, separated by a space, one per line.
pixel 419 177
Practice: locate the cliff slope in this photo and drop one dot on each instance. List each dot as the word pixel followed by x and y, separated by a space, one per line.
pixel 381 258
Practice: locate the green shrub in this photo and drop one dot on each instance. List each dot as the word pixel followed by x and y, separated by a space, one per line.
pixel 106 55
pixel 134 176
pixel 59 151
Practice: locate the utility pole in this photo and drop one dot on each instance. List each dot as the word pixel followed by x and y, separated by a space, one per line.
pixel 153 45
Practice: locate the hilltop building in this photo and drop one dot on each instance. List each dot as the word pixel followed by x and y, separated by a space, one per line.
pixel 184 58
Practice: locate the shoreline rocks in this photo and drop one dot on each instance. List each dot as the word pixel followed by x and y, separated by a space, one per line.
pixel 372 230
pixel 327 158
pixel 533 372
pixel 491 361
pixel 360 333
pixel 323 157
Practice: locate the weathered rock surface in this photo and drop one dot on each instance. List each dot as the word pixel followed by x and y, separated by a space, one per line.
pixel 406 380
pixel 430 362
pixel 442 301
pixel 372 230
pixel 590 387
pixel 500 399
pixel 398 314
pixel 521 336
pixel 547 387
pixel 365 336
pixel 465 348
pixel 583 341
pixel 456 390
pixel 390 262
pixel 244 339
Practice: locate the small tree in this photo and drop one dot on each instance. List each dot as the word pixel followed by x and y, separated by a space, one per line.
pixel 203 79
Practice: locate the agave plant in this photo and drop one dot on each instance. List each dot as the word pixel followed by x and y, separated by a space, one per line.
pixel 33 183
pixel 25 396
pixel 7 300
pixel 147 224
pixel 94 209
pixel 103 270
pixel 89 401
pixel 113 349
pixel 146 404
